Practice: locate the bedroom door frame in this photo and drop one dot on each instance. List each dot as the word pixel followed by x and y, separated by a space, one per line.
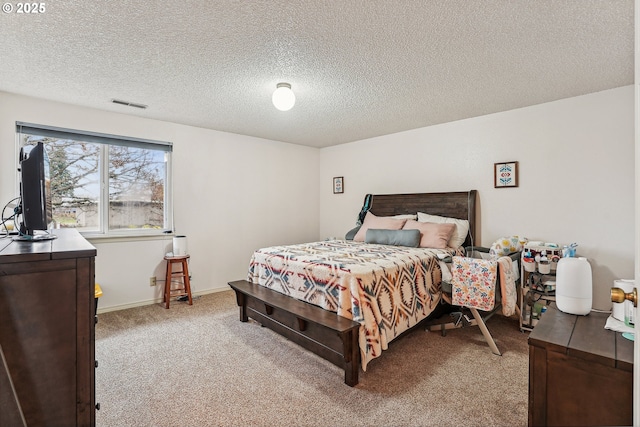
pixel 636 344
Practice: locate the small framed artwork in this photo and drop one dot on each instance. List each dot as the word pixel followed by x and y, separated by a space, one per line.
pixel 505 174
pixel 338 185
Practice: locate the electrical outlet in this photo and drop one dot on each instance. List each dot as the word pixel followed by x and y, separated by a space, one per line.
pixel 152 281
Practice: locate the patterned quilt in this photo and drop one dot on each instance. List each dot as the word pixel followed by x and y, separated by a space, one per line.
pixel 474 283
pixel 387 289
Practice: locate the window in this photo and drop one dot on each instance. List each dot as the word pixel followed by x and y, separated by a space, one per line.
pixel 105 185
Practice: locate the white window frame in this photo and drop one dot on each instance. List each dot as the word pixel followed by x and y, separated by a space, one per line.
pixel 105 140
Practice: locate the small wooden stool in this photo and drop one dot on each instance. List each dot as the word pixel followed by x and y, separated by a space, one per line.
pixel 185 289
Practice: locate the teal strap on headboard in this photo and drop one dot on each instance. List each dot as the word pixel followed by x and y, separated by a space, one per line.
pixel 365 208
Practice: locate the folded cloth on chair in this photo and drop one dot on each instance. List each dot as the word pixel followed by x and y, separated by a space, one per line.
pixel 473 282
pixel 507 285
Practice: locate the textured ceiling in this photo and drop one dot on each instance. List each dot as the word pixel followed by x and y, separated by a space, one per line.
pixel 359 68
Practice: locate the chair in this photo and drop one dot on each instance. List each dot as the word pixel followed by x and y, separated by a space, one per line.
pixel 182 277
pixel 460 318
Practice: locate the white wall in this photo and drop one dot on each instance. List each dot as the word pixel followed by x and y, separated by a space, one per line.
pixel 235 193
pixel 576 159
pixel 232 195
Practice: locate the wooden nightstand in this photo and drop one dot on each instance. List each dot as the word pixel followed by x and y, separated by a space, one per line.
pixel 580 374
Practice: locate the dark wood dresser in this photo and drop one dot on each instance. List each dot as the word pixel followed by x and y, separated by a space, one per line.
pixel 47 330
pixel 580 374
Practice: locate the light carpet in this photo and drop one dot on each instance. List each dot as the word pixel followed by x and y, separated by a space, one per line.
pixel 200 366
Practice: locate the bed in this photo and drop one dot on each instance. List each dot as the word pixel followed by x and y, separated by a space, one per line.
pixel 347 300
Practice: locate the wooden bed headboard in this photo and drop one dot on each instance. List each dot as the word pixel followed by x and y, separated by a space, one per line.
pixel 460 204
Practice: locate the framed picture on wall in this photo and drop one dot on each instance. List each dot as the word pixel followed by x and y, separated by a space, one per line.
pixel 338 185
pixel 505 175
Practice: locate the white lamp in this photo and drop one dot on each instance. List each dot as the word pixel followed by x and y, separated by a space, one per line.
pixel 283 97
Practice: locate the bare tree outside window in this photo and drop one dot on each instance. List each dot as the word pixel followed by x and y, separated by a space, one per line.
pixel 135 185
pixel 136 188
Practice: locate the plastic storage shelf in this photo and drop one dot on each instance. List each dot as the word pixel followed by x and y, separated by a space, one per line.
pixel 537 285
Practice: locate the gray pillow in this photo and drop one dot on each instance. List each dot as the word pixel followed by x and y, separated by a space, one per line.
pixel 409 238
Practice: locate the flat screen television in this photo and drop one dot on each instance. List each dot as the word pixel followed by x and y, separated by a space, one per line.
pixel 35 209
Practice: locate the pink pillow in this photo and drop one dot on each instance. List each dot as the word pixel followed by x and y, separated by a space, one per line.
pixel 381 222
pixel 433 235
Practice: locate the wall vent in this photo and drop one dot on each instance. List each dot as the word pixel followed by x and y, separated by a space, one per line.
pixel 129 104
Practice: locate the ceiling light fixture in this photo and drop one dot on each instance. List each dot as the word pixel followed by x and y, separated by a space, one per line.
pixel 283 97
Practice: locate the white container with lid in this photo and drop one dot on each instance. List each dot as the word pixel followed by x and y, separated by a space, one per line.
pixel 180 246
pixel 574 290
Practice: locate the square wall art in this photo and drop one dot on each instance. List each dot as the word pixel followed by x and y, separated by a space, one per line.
pixel 505 174
pixel 338 185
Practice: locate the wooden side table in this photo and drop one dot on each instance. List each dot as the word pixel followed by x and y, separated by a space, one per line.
pixel 182 275
pixel 580 374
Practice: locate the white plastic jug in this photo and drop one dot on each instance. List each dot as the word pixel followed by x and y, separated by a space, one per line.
pixel 574 291
pixel 180 246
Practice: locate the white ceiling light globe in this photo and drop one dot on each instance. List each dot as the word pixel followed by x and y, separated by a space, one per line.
pixel 283 97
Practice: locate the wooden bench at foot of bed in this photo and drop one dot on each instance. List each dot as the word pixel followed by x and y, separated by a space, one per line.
pixel 326 334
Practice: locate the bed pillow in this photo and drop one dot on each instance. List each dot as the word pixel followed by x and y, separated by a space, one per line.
pixel 351 233
pixel 507 246
pixel 380 222
pixel 409 238
pixel 405 216
pixel 432 235
pixel 459 234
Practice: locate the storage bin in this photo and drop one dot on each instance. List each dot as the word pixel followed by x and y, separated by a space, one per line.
pixel 544 267
pixel 529 264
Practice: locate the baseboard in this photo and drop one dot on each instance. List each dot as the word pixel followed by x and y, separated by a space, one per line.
pixel 155 301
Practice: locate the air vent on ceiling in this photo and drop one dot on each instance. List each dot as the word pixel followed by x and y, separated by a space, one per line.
pixel 128 104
